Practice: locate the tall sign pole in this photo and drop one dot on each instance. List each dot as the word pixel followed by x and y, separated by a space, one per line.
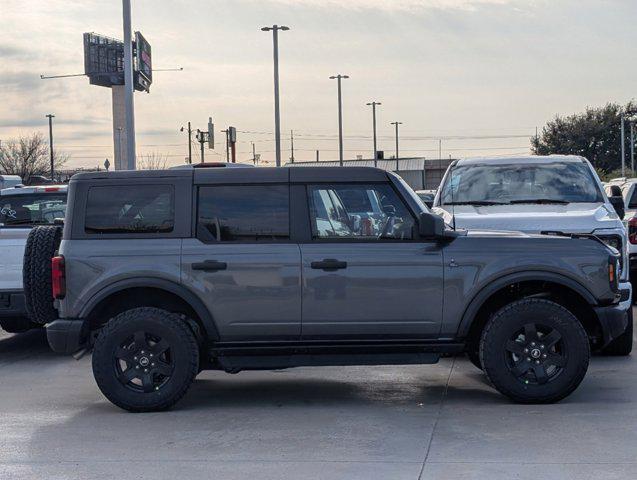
pixel 129 86
pixel 277 118
pixel 50 117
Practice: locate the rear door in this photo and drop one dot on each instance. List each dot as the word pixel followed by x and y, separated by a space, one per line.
pixel 365 272
pixel 242 262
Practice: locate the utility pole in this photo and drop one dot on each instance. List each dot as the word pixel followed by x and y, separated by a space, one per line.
pixel 50 116
pixel 292 146
pixel 189 142
pixel 373 105
pixel 632 147
pixel 396 124
pixel 339 77
pixel 201 138
pixel 317 155
pixel 226 131
pixel 623 140
pixel 277 119
pixel 440 149
pixel 128 85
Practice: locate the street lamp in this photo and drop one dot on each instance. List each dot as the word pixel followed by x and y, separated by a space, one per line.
pixel 631 122
pixel 277 119
pixel 396 124
pixel 373 105
pixel 339 77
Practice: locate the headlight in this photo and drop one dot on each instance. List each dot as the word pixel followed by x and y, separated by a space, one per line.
pixel 615 241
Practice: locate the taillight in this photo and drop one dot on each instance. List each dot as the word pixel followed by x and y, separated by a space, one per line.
pixel 58 277
pixel 632 230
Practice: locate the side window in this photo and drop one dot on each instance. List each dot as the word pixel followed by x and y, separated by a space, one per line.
pixel 244 213
pixel 359 211
pixel 130 209
pixel 632 203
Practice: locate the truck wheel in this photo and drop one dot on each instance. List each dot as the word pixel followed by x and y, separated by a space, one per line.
pixel 17 324
pixel 534 351
pixel 145 359
pixel 42 243
pixel 622 345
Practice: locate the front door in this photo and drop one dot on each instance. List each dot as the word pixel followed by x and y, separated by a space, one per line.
pixel 242 262
pixel 365 273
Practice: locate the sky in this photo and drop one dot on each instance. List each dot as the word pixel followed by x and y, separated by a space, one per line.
pixel 475 77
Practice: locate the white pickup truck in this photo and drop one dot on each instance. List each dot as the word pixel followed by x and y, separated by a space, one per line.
pixel 20 209
pixel 558 194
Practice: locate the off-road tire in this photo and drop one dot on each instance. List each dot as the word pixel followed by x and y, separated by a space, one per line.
pixel 183 349
pixel 42 243
pixel 622 345
pixel 504 325
pixel 17 324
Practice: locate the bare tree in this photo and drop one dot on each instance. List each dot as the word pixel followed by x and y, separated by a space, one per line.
pixel 153 161
pixel 27 156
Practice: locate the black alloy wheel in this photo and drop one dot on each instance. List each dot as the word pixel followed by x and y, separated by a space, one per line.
pixel 143 362
pixel 535 354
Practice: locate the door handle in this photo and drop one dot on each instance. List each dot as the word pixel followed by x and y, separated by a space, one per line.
pixel 329 265
pixel 210 265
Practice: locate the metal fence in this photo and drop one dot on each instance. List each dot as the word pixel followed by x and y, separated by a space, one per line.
pixel 420 173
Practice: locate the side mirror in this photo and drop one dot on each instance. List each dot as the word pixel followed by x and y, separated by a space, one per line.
pixel 431 225
pixel 618 205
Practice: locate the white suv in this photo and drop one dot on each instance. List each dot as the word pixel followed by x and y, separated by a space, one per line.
pixel 21 208
pixel 556 194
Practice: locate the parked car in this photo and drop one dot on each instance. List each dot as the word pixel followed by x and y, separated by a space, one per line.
pixel 625 188
pixel 9 181
pixel 427 196
pixel 166 273
pixel 556 193
pixel 21 208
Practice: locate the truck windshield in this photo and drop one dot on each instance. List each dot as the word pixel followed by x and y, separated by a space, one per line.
pixel 32 209
pixel 519 183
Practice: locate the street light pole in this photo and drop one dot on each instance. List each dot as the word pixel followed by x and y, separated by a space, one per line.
pixel 623 140
pixel 632 148
pixel 189 142
pixel 373 105
pixel 128 85
pixel 50 117
pixel 277 119
pixel 396 124
pixel 339 77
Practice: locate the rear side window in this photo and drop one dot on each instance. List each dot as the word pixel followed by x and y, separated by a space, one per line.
pixel 130 209
pixel 244 213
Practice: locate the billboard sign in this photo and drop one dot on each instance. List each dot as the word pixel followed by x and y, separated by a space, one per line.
pixel 104 61
pixel 143 62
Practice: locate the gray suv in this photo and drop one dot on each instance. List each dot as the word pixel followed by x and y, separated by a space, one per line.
pixel 166 273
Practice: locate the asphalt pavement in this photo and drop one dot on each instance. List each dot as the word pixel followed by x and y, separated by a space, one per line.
pixel 398 422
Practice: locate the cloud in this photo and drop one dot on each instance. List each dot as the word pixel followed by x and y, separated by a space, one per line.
pixel 398 5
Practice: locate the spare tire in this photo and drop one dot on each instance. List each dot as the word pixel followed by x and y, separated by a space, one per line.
pixel 41 246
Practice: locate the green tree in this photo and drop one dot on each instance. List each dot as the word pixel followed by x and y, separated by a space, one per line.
pixel 593 134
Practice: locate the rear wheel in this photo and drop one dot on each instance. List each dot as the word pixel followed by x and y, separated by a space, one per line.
pixel 145 359
pixel 534 351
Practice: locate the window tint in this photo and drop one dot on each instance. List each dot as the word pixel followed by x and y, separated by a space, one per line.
pixel 130 209
pixel 245 213
pixel 366 212
pixel 32 209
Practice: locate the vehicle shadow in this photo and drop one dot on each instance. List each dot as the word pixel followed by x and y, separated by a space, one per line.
pixel 18 346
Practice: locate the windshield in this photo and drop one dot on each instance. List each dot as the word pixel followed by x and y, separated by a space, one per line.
pixel 32 209
pixel 484 184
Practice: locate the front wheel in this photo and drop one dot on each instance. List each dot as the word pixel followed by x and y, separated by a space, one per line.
pixel 145 359
pixel 534 351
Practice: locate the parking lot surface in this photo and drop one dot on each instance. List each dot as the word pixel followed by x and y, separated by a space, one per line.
pixel 401 422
